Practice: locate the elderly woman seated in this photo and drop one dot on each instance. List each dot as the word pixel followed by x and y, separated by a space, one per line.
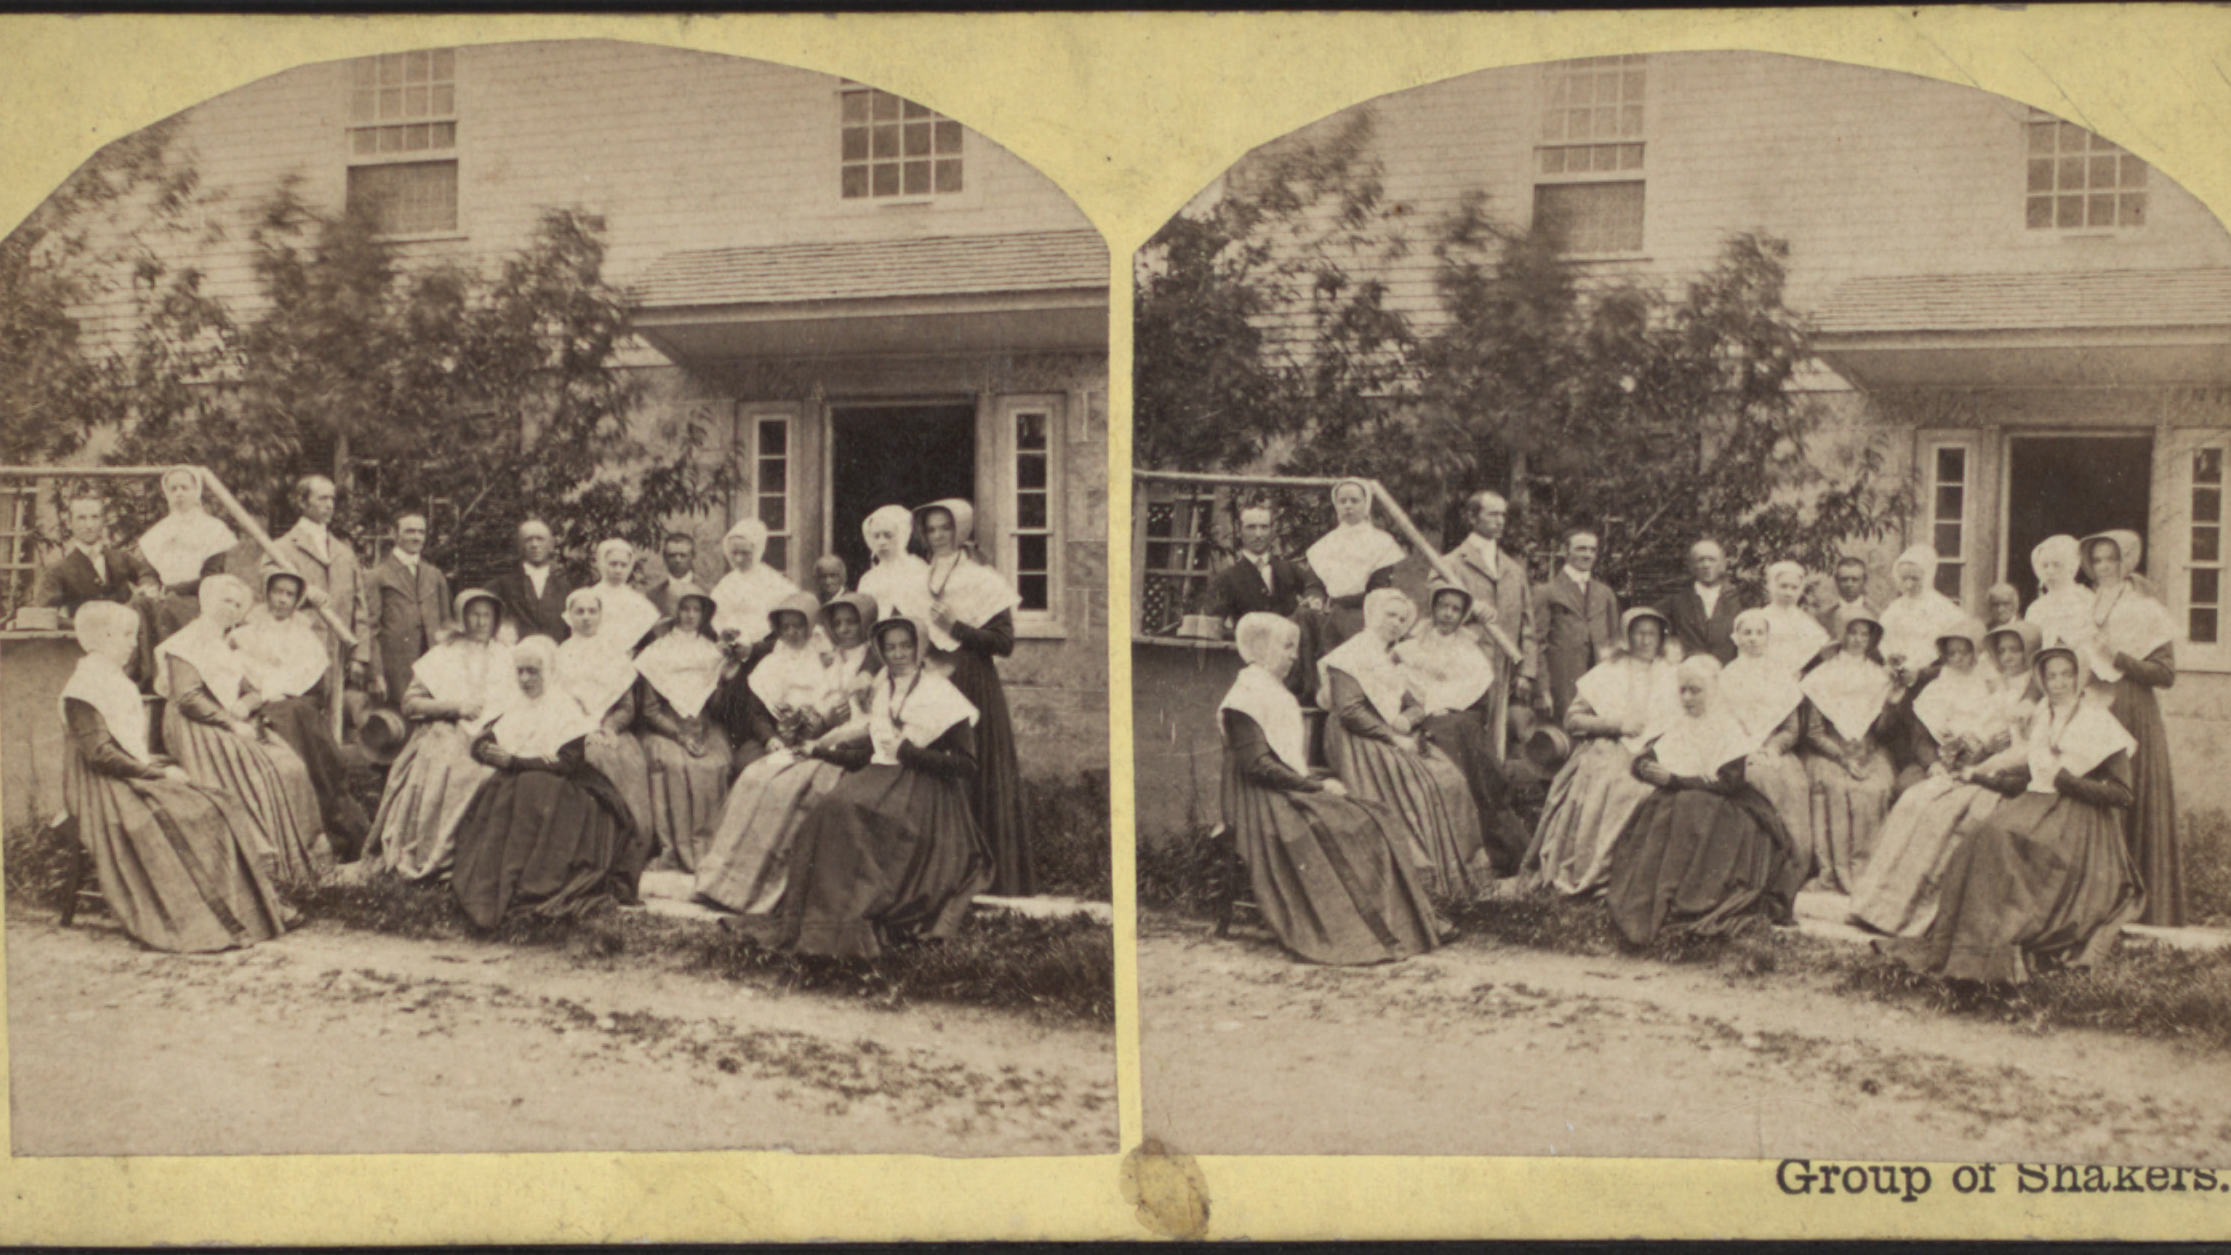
pixel 543 834
pixel 288 664
pixel 455 689
pixel 211 725
pixel 1619 705
pixel 181 866
pixel 692 757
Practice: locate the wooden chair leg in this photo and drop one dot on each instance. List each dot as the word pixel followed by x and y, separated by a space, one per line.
pixel 81 863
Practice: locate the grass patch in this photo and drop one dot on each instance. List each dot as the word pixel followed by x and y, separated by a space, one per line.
pixel 1059 969
pixel 1068 821
pixel 2207 840
pixel 36 861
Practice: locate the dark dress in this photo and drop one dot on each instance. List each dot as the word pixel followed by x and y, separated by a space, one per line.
pixel 543 837
pixel 1330 874
pixel 180 866
pixel 892 854
pixel 304 724
pixel 1426 789
pixel 2154 847
pixel 1462 735
pixel 996 790
pixel 1702 855
pixel 2040 882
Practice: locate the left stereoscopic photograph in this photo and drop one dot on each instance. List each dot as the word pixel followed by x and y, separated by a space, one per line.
pixel 553 598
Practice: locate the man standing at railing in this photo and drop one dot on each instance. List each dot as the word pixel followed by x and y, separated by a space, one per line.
pixel 1261 581
pixel 329 567
pixel 410 606
pixel 91 569
pixel 1501 597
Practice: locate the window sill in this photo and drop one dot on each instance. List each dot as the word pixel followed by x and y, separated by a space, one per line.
pixel 1047 629
pixel 422 237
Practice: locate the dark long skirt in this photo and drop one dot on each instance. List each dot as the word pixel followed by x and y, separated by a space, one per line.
pixel 997 792
pixel 2042 880
pixel 1432 798
pixel 306 728
pixel 1462 736
pixel 540 843
pixel 1703 862
pixel 180 865
pixel 2155 849
pixel 272 785
pixel 1331 875
pixel 889 856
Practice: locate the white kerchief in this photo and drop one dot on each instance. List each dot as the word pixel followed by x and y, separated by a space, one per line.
pixel 929 706
pixel 284 659
pixel 1627 689
pixel 1911 626
pixel 974 592
pixel 1701 745
pixel 178 545
pixel 846 666
pixel 1961 705
pixel 743 599
pixel 628 614
pixel 103 685
pixel 1793 638
pixel 538 727
pixel 900 586
pixel 1368 661
pixel 205 648
pixel 685 669
pixel 1274 709
pixel 1446 670
pixel 2128 622
pixel 596 673
pixel 1758 694
pixel 792 677
pixel 1345 557
pixel 1850 692
pixel 2064 616
pixel 2090 737
pixel 460 670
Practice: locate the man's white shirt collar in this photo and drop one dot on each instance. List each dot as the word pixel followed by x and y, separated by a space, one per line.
pixel 1578 577
pixel 537 575
pixel 1710 597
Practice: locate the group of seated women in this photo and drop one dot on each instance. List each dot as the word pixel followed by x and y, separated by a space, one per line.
pixel 1994 801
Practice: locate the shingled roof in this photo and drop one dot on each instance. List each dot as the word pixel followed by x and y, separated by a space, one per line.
pixel 2030 302
pixel 871 269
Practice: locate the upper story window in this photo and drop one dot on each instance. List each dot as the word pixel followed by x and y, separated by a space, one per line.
pixel 2079 181
pixel 402 140
pixel 1588 166
pixel 892 147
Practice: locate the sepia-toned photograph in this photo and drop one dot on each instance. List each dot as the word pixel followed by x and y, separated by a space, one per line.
pixel 553 598
pixel 1677 610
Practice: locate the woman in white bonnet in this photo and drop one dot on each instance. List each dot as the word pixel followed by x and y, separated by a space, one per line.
pixel 1356 557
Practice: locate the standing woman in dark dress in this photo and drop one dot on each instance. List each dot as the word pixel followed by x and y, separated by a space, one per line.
pixel 1330 873
pixel 691 757
pixel 2132 654
pixel 971 622
pixel 179 864
pixel 892 854
pixel 544 834
pixel 2046 879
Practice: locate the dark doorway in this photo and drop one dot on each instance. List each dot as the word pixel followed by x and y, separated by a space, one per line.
pixel 2076 485
pixel 907 455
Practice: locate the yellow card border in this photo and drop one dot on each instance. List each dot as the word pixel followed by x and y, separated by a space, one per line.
pixel 1131 114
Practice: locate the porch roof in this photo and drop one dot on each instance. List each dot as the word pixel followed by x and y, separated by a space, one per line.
pixel 2033 329
pixel 1027 291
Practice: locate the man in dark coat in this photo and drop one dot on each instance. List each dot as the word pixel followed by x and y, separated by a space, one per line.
pixel 410 609
pixel 1703 614
pixel 1582 615
pixel 1262 581
pixel 91 569
pixel 1851 596
pixel 533 593
pixel 679 554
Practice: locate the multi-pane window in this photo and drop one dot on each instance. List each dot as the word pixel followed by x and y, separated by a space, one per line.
pixel 402 140
pixel 890 146
pixel 771 487
pixel 2204 605
pixel 1588 165
pixel 1948 514
pixel 1034 524
pixel 2077 179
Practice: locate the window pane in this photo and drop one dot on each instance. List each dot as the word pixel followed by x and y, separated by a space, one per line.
pixel 2207 544
pixel 886 180
pixel 916 111
pixel 886 107
pixel 887 141
pixel 1030 510
pixel 1630 156
pixel 2207 503
pixel 948 135
pixel 1030 472
pixel 774 437
pixel 2072 138
pixel 2072 174
pixel 2041 211
pixel 1595 217
pixel 415 101
pixel 1948 579
pixel 1032 589
pixel 855 107
pixel 416 65
pixel 1630 121
pixel 1158 555
pixel 445 135
pixel 2103 210
pixel 391 69
pixel 854 146
pixel 917 139
pixel 2041 137
pixel 1030 553
pixel 2206 586
pixel 2203 626
pixel 391 102
pixel 1948 539
pixel 2041 176
pixel 1030 431
pixel 774 474
pixel 855 182
pixel 948 176
pixel 445 99
pixel 917 178
pixel 1553 161
pixel 1950 499
pixel 2069 212
pixel 1952 465
pixel 391 139
pixel 774 511
pixel 2207 466
pixel 406 199
pixel 777 553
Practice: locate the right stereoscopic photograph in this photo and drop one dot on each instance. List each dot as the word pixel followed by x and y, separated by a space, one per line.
pixel 1678 610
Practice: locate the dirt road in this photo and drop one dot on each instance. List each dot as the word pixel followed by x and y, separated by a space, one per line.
pixel 1486 1049
pixel 335 1041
